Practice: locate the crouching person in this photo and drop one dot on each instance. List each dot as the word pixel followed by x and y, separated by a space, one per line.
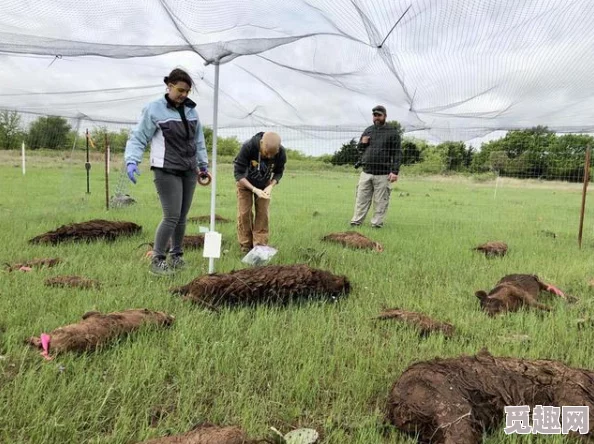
pixel 258 168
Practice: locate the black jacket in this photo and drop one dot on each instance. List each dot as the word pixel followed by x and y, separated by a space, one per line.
pixel 383 153
pixel 257 170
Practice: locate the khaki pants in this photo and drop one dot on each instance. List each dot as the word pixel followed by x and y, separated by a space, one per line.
pixel 251 231
pixel 376 187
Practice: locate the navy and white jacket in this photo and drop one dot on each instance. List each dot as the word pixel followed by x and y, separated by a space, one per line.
pixel 175 134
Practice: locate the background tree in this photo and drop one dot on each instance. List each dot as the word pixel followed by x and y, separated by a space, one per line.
pixel 48 132
pixel 346 155
pixel 11 134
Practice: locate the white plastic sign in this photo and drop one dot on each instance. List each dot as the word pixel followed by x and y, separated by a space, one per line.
pixel 212 245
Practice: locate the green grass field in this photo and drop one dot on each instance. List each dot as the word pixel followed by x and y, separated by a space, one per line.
pixel 326 366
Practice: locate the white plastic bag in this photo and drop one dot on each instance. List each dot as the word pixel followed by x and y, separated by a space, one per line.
pixel 259 255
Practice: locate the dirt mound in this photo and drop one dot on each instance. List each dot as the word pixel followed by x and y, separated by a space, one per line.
pixel 205 434
pixel 72 281
pixel 206 219
pixel 456 400
pixel 34 263
pixel 88 231
pixel 422 322
pixel 492 249
pixel 353 239
pixel 514 291
pixel 97 329
pixel 271 284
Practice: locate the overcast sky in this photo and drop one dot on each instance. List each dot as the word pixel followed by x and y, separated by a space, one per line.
pixel 456 68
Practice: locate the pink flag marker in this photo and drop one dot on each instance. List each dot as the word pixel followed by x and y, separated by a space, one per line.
pixel 45 345
pixel 555 290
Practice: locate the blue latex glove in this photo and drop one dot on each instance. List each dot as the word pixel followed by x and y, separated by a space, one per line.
pixel 203 171
pixel 132 169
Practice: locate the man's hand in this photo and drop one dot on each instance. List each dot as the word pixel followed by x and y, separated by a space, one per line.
pixel 268 190
pixel 365 139
pixel 392 177
pixel 260 193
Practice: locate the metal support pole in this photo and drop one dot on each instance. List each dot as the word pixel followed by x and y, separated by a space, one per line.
pixel 213 192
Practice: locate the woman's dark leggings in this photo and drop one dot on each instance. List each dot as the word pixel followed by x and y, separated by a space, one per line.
pixel 176 190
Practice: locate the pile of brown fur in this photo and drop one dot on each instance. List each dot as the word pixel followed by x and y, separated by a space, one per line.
pixel 206 219
pixel 271 284
pixel 193 242
pixel 353 239
pixel 88 231
pixel 492 249
pixel 456 400
pixel 205 434
pixel 422 322
pixel 96 329
pixel 190 242
pixel 72 281
pixel 514 291
pixel 34 263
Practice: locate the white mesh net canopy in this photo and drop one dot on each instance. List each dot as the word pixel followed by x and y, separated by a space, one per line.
pixel 446 69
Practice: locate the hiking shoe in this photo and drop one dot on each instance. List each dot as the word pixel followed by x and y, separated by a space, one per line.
pixel 377 225
pixel 159 267
pixel 177 261
pixel 355 224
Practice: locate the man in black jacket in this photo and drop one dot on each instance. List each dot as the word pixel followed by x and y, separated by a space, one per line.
pixel 258 167
pixel 381 153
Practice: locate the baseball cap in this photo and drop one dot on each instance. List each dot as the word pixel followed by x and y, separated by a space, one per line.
pixel 379 109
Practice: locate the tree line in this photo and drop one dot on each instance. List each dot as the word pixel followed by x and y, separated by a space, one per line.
pixel 534 152
pixel 55 133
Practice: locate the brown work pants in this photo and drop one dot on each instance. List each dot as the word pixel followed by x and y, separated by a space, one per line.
pixel 251 231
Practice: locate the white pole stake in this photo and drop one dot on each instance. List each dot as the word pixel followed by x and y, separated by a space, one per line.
pixel 23 156
pixel 496 186
pixel 216 237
